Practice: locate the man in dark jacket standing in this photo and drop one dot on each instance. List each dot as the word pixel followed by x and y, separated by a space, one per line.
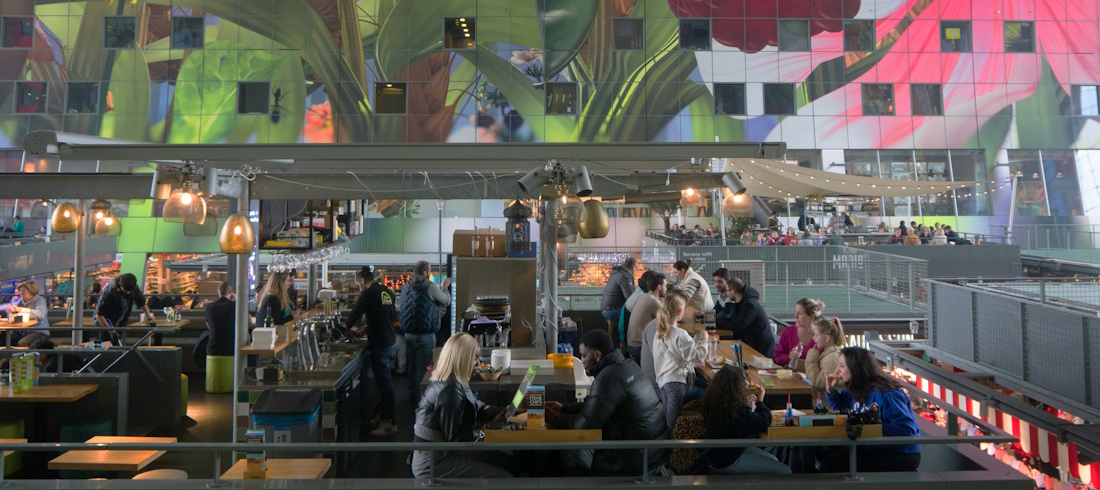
pixel 376 303
pixel 622 403
pixel 620 285
pixel 221 321
pixel 421 300
pixel 113 310
pixel 750 322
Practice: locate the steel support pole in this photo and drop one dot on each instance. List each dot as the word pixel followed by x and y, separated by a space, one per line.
pixel 78 276
pixel 240 310
pixel 547 331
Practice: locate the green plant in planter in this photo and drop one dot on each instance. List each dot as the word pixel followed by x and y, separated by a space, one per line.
pixel 739 225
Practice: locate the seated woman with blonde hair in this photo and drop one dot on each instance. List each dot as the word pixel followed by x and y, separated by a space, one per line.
pixel 821 359
pixel 449 411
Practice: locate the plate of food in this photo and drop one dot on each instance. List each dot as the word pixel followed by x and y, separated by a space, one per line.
pixel 486 372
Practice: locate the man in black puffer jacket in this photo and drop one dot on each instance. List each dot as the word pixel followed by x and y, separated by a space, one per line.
pixel 621 402
pixel 750 322
pixel 421 300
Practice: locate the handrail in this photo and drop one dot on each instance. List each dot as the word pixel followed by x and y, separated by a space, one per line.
pixel 432 447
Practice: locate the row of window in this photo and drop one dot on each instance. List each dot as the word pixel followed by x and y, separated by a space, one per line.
pixel 561 98
pixel 627 34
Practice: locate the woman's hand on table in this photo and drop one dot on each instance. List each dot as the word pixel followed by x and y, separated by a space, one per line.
pixel 553 409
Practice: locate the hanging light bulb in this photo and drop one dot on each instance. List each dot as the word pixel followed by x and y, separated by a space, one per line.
pixel 108 226
pixel 41 209
pixel 66 218
pixel 185 205
pixel 100 208
pixel 237 236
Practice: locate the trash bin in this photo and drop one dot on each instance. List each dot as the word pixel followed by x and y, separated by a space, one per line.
pixel 288 416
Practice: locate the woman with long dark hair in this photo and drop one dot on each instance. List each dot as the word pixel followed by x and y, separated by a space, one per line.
pixel 866 384
pixel 734 410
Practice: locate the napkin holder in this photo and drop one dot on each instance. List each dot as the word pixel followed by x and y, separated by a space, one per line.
pixel 263 338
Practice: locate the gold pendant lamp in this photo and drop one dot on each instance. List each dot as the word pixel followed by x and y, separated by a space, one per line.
pixel 237 236
pixel 66 218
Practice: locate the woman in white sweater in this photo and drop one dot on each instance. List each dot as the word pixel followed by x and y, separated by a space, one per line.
pixel 693 285
pixel 674 351
pixel 34 306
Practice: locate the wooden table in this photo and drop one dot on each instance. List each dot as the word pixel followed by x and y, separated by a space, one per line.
pixel 779 431
pixel 544 435
pixel 285 469
pixel 113 459
pixel 47 393
pixel 793 386
pixel 9 327
pixel 11 441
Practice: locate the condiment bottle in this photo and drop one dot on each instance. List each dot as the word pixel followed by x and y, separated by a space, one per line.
pixel 789 419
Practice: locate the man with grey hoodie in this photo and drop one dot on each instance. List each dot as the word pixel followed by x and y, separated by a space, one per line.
pixel 421 301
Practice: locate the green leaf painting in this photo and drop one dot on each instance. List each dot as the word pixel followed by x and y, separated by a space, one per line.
pixel 205 108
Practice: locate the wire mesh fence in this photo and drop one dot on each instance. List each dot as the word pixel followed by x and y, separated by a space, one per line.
pixel 1005 326
pixel 850 279
pixel 1080 294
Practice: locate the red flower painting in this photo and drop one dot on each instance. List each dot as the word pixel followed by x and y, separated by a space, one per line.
pixel 750 25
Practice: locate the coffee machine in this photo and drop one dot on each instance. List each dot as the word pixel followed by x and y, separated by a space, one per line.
pixel 490 322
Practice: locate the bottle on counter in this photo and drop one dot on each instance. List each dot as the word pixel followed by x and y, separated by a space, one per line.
pixel 269 321
pixel 788 420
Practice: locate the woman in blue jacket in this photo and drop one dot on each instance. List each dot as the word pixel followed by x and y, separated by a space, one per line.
pixel 865 384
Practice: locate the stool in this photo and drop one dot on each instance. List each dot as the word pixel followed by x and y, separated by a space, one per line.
pixel 164 474
pixel 12 428
pixel 183 395
pixel 219 374
pixel 79 432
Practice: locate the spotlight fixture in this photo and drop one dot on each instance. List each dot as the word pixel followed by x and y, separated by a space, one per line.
pixel 534 180
pixel 582 184
pixel 185 205
pixel 733 182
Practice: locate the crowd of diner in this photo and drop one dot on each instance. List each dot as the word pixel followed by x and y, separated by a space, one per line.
pixel 809 232
pixel 645 387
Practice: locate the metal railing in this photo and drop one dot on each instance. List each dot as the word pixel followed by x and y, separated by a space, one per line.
pixel 645 475
pixel 1070 242
pixel 1038 343
pixel 1074 293
pixel 844 277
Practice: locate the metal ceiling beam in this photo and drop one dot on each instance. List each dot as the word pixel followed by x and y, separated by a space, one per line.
pixel 343 185
pixel 617 158
pixel 75 186
pixel 455 186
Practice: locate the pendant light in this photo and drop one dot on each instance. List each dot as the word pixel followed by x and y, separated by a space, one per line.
pixel 66 218
pixel 108 226
pixel 41 209
pixel 100 209
pixel 237 236
pixel 185 205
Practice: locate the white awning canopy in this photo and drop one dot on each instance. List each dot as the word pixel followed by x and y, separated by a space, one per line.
pixel 771 178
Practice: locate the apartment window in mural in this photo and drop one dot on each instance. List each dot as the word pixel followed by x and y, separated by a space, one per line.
pixel 878 99
pixel 119 32
pixel 955 36
pixel 1060 176
pixel 804 158
pixel 729 98
pixel 1019 37
pixel 971 165
pixel 695 34
pixel 926 99
pixel 18 32
pixel 83 98
pixel 188 32
pixel 779 98
pixel 933 166
pixel 859 35
pixel 1085 100
pixel 253 98
pixel 390 97
pixel 459 33
pixel 794 35
pixel 1031 196
pixel 629 34
pixel 30 97
pixel 561 98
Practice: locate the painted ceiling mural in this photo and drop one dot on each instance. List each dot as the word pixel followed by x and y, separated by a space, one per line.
pixel 989 74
